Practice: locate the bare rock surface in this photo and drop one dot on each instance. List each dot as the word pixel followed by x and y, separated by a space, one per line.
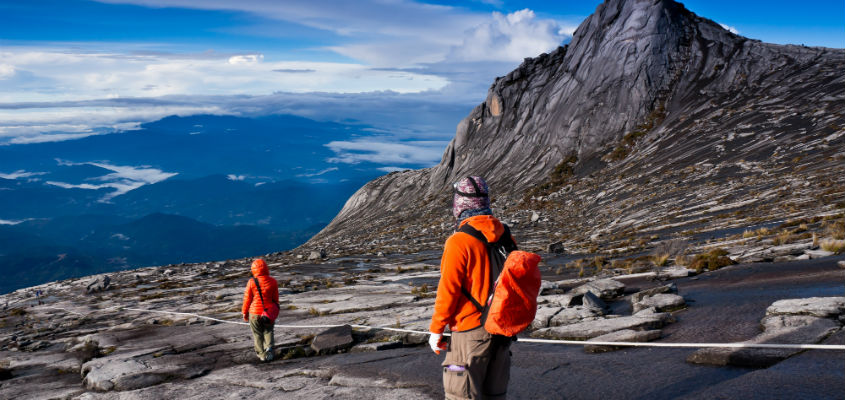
pixel 597 327
pixel 639 296
pixel 603 288
pixel 590 300
pixel 662 302
pixel 791 321
pixel 98 348
pixel 571 315
pixel 333 340
pixel 823 307
pixel 625 335
pixel 738 142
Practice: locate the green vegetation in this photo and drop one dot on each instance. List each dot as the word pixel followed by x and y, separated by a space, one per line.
pixel 557 178
pixel 296 352
pixel 711 261
pixel 660 260
pixel 833 245
pixel 630 139
pixel 423 291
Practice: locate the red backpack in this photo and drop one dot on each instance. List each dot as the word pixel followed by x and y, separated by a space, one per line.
pixel 512 303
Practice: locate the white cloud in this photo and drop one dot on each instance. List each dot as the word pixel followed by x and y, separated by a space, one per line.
pixel 510 37
pixel 64 75
pixel 123 179
pixel 410 152
pixel 318 173
pixel 730 29
pixel 246 59
pixel 402 33
pixel 41 123
pixel 6 71
pixel 233 177
pixel 8 222
pixel 392 169
pixel 407 54
pixel 20 174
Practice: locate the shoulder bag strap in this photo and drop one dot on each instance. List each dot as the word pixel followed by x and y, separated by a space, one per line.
pixel 258 286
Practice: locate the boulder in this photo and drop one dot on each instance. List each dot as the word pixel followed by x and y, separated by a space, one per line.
pixel 625 335
pixel 535 216
pixel 823 307
pixel 590 300
pixel 333 340
pixel 556 300
pixel 662 302
pixel 543 315
pixel 98 285
pixel 556 248
pixel 592 328
pixel 604 288
pixel 571 315
pixel 547 286
pixel 639 296
pixel 818 253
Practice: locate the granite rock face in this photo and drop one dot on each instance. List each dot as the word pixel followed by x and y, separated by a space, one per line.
pixel 646 95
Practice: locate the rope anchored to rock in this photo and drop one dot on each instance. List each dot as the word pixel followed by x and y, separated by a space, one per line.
pixel 527 340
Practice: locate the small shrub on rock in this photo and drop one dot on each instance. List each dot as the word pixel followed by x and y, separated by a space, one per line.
pixel 711 261
pixel 833 245
pixel 660 260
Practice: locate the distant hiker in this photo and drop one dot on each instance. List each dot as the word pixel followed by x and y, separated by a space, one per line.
pixel 261 307
pixel 477 364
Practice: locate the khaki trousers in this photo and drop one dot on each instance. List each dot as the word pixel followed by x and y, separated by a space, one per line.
pixel 262 336
pixel 486 361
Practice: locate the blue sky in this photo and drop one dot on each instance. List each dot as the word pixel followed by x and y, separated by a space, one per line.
pixel 73 68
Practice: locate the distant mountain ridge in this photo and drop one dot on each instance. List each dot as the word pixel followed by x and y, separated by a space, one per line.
pixel 39 251
pixel 228 186
pixel 644 91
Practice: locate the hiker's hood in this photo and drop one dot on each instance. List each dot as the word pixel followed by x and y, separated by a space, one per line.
pixel 259 268
pixel 471 193
pixel 486 224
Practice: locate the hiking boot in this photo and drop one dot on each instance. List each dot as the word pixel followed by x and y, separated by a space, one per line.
pixel 268 354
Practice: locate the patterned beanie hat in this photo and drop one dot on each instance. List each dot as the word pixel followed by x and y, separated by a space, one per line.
pixel 471 193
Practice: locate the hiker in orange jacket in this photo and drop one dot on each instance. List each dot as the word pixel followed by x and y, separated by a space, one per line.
pixel 255 305
pixel 477 365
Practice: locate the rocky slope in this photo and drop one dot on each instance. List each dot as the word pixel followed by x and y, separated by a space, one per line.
pixel 175 331
pixel 655 147
pixel 653 123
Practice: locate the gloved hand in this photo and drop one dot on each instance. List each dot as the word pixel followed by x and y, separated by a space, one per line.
pixel 435 342
pixel 246 317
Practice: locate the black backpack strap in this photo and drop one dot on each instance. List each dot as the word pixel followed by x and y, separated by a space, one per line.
pixel 475 302
pixel 505 241
pixel 258 286
pixel 468 229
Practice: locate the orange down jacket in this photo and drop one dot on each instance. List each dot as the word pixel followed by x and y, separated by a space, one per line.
pixel 269 289
pixel 465 263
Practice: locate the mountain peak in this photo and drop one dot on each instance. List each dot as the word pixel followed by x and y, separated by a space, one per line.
pixel 646 89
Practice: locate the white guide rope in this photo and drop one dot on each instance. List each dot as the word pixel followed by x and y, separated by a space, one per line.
pixel 544 341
